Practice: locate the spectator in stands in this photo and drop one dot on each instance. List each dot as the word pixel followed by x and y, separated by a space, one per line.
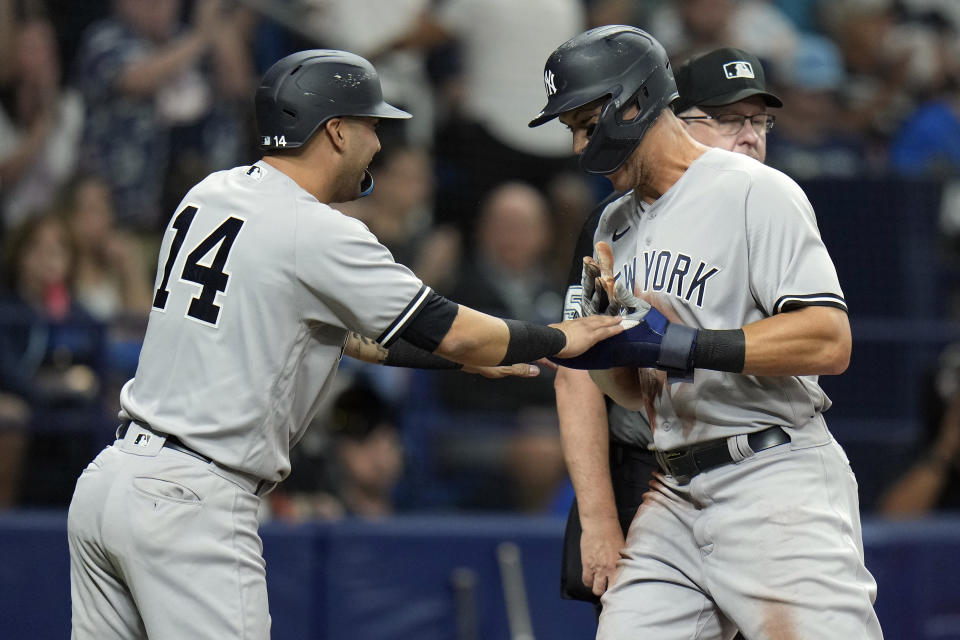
pixel 52 356
pixel 400 211
pixel 892 57
pixel 515 418
pixel 928 142
pixel 481 141
pixel 14 421
pixel 354 465
pixel 367 28
pixel 814 138
pixel 507 277
pixel 153 107
pixel 8 27
pixel 687 28
pixel 932 483
pixel 40 123
pixel 110 279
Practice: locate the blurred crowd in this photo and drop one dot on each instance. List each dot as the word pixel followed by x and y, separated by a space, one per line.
pixel 111 109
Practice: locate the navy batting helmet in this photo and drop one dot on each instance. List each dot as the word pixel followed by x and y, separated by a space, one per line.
pixel 303 90
pixel 626 65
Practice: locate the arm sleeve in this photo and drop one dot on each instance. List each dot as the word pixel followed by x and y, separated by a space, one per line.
pixel 404 354
pixel 789 263
pixel 106 51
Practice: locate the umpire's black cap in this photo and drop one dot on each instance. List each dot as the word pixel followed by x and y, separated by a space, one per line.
pixel 722 76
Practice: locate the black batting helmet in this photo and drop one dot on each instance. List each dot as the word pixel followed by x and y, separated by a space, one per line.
pixel 305 89
pixel 623 63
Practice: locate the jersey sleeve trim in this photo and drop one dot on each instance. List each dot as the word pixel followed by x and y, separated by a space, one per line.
pixel 787 303
pixel 406 316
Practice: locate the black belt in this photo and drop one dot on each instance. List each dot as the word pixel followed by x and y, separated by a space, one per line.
pixel 684 464
pixel 170 442
pixel 619 452
pixel 256 485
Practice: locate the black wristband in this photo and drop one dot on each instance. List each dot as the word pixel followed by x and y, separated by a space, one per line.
pixel 720 350
pixel 404 354
pixel 530 342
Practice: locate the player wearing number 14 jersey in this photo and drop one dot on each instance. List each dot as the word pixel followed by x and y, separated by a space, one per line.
pixel 261 288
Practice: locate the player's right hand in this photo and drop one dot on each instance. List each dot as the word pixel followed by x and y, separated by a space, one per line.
pixel 600 545
pixel 603 293
pixel 583 333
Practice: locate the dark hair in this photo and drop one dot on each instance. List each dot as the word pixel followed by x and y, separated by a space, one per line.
pixel 21 236
pixel 358 411
pixel 65 203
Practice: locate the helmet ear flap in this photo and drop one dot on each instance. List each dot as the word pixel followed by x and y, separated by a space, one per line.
pixel 614 137
pixel 366 184
pixel 608 149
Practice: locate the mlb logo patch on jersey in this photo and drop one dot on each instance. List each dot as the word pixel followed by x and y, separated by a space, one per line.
pixel 738 69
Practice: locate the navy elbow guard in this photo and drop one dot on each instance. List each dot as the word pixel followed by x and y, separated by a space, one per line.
pixel 653 342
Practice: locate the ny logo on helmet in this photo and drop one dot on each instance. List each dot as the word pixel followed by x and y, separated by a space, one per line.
pixel 738 69
pixel 549 82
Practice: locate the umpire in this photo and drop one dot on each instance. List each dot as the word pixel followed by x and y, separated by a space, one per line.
pixel 723 103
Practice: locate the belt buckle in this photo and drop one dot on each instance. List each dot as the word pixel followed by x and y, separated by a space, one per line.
pixel 664 459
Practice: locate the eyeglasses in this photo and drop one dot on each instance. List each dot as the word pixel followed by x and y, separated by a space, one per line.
pixel 730 124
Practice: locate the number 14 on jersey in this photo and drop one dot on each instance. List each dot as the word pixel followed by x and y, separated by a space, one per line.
pixel 212 279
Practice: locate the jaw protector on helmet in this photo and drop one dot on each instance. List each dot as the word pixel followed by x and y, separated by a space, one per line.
pixel 623 63
pixel 366 184
pixel 615 138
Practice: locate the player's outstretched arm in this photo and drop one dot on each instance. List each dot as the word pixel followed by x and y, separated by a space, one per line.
pixel 404 354
pixel 812 340
pixel 808 341
pixel 475 338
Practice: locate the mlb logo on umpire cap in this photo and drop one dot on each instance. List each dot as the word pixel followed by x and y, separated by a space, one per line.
pixel 738 69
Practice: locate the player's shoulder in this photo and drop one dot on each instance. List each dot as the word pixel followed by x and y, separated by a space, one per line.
pixel 757 175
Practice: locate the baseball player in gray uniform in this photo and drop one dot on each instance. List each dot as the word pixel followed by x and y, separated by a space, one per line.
pixel 723 102
pixel 260 287
pixel 752 522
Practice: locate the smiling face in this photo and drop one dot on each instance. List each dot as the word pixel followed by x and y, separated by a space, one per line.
pixel 361 143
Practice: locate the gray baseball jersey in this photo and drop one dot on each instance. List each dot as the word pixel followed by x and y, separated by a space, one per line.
pixel 257 286
pixel 742 545
pixel 680 253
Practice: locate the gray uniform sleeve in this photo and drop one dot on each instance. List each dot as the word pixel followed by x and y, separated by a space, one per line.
pixel 349 275
pixel 789 264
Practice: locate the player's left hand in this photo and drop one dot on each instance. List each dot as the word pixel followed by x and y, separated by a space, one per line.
pixel 583 333
pixel 644 341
